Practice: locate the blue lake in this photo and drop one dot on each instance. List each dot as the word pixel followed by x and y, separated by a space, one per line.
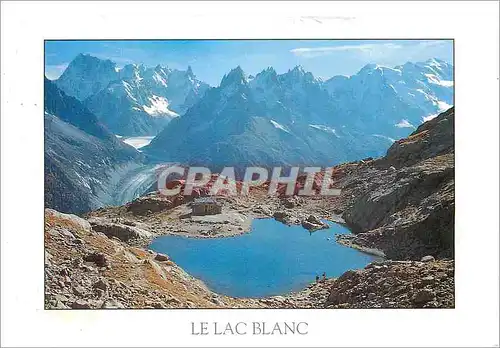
pixel 273 259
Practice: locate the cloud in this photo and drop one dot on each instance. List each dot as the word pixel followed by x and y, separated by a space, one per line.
pixel 367 49
pixel 370 50
pixel 52 72
pixel 433 43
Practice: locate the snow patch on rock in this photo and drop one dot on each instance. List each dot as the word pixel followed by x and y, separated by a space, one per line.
pixel 159 107
pixel 324 128
pixel 404 124
pixel 279 126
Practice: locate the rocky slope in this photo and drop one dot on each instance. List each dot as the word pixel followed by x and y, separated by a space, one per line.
pixel 396 284
pixel 100 265
pixel 408 208
pixel 87 269
pixel 82 157
pixel 401 205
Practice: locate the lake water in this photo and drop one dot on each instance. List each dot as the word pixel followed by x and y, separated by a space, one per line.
pixel 273 259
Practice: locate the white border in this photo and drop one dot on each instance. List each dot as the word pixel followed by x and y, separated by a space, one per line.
pixel 474 25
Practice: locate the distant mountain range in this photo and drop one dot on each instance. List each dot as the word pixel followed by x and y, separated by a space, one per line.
pixel 387 99
pixel 133 100
pixel 297 119
pixel 269 119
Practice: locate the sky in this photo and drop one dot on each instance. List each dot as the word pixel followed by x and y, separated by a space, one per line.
pixel 211 59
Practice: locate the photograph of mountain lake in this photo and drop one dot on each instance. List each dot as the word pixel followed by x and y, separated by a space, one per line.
pixel 207 174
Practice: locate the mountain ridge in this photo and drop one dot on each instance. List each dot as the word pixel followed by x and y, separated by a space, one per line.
pixel 309 120
pixel 81 155
pixel 133 100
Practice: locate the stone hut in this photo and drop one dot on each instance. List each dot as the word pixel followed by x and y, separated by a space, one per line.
pixel 205 206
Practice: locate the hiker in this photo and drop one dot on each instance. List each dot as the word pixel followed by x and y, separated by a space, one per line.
pixel 317 278
pixel 324 276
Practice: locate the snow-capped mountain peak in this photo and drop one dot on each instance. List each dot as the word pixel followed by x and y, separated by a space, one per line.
pixel 89 63
pixel 295 118
pixel 267 73
pixel 298 69
pixel 298 75
pixel 368 69
pixel 160 68
pixel 266 77
pixel 235 76
pixel 381 96
pixel 133 100
pixel 132 72
pixel 86 75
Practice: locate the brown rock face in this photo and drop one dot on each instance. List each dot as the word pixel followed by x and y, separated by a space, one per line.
pixel 433 138
pixel 402 204
pixel 120 231
pixel 395 284
pixel 410 212
pixel 105 272
pixel 313 223
pixel 149 204
pixel 161 257
pixel 98 258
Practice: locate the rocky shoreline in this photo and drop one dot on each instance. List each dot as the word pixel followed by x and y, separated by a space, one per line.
pixel 400 206
pixel 85 269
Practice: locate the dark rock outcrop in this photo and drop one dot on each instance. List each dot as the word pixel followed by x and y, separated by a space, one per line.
pixel 162 257
pixel 409 212
pixel 433 138
pixel 313 223
pixel 121 231
pixel 149 204
pixel 99 259
pixel 396 284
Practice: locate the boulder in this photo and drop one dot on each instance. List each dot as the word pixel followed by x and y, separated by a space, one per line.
pixel 48 258
pixel 428 280
pixel 60 305
pixel 80 304
pixel 423 296
pixel 112 304
pixel 314 220
pixel 312 223
pixel 66 233
pixel 79 290
pixel 121 231
pixel 309 226
pixel 161 257
pixel 101 284
pixel 263 210
pixel 74 220
pixel 99 259
pixel 427 258
pixel 280 215
pixel 149 204
pixel 289 202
